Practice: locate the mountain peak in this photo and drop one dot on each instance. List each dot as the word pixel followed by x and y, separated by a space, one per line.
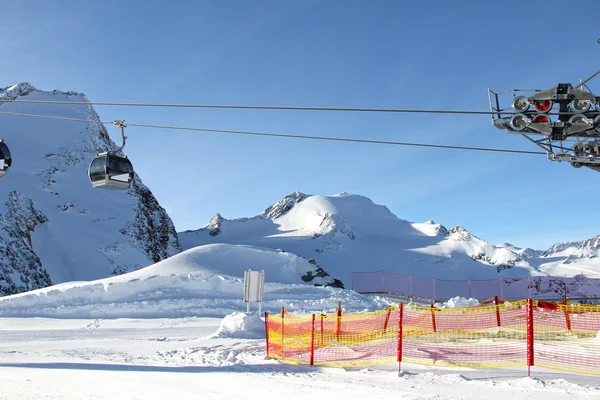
pixel 14 91
pixel 459 233
pixel 284 205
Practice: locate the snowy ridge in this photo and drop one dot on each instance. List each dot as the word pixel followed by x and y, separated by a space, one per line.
pixel 65 229
pixel 588 248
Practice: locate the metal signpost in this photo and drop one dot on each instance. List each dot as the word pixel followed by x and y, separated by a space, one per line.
pixel 254 287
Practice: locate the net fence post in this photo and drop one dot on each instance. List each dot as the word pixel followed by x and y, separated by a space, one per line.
pixel 433 318
pixel 312 342
pixel 530 358
pixel 567 315
pixel 267 333
pixel 434 292
pixel 400 317
pixel 383 281
pixel 387 319
pixel 322 338
pixel 496 303
pixel 338 323
pixel 411 285
pixel 282 326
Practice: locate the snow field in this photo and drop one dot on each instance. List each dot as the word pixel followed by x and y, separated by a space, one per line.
pixel 48 358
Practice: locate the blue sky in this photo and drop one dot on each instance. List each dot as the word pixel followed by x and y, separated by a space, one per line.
pixel 393 54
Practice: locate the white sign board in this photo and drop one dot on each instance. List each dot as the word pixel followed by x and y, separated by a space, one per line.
pixel 254 287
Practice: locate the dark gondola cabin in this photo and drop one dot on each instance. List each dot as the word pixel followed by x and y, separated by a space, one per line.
pixel 109 171
pixel 5 159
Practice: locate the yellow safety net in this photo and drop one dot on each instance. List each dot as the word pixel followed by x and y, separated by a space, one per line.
pixel 562 337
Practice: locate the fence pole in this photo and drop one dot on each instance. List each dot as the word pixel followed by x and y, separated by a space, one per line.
pixel 567 315
pixel 470 289
pixel 387 319
pixel 566 287
pixel 411 285
pixel 433 318
pixel 322 339
pixel 267 332
pixel 400 317
pixel 434 294
pixel 383 281
pixel 501 289
pixel 338 324
pixel 282 326
pixel 497 311
pixel 530 358
pixel 312 342
pixel 351 282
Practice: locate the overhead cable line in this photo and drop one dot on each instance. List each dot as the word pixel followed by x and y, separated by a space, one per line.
pixel 293 108
pixel 283 135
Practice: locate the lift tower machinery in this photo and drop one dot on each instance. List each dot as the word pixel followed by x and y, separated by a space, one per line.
pixel 567 118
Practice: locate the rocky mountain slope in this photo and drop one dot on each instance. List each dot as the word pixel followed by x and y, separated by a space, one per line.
pixel 54 227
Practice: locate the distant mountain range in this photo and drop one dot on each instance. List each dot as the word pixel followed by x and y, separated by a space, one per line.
pixel 346 232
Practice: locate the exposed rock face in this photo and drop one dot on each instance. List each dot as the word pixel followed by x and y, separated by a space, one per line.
pixel 55 227
pixel 283 206
pixel 20 267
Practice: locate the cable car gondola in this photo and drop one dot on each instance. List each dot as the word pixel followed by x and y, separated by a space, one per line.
pixel 5 159
pixel 110 171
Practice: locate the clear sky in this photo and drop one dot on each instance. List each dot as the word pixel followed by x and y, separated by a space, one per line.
pixel 393 54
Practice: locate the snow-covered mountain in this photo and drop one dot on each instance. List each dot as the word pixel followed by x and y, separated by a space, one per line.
pixel 54 227
pixel 345 233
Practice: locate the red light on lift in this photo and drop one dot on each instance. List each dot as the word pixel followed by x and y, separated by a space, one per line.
pixel 543 105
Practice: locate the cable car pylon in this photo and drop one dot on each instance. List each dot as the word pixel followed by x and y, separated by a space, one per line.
pixel 572 136
pixel 109 170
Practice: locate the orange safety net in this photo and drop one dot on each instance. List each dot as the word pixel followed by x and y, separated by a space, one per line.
pixel 523 333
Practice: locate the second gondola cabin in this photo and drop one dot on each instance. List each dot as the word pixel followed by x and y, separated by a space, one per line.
pixel 5 159
pixel 110 171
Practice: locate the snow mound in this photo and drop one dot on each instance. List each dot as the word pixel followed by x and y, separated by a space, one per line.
pixel 241 326
pixel 458 302
pixel 203 281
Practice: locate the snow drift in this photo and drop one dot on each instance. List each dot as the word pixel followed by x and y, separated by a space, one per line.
pixel 241 325
pixel 204 281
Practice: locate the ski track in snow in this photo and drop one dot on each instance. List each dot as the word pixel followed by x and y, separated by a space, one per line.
pixel 49 358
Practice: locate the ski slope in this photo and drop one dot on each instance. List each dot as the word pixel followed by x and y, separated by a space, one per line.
pixel 181 358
